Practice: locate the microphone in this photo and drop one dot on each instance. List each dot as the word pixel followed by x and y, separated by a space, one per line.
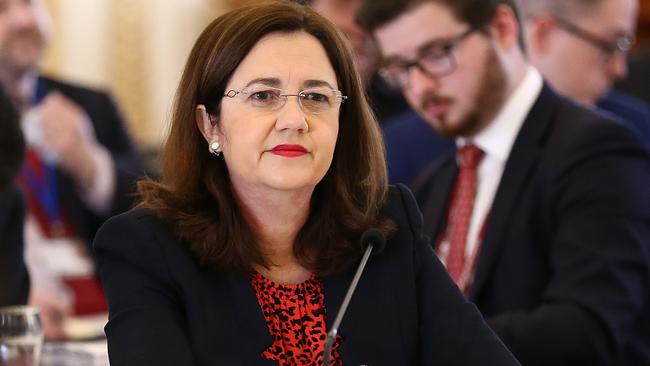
pixel 371 239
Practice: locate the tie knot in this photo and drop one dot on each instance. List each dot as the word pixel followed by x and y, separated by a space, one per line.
pixel 470 156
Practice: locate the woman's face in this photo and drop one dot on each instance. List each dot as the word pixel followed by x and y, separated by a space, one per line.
pixel 269 146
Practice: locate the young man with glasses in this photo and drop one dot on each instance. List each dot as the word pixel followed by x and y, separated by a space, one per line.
pixel 542 215
pixel 581 48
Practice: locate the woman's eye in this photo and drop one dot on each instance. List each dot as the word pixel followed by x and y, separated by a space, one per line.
pixel 316 97
pixel 261 96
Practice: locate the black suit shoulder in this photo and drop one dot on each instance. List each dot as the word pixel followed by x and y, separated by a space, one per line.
pixel 139 235
pixel 71 90
pixel 574 128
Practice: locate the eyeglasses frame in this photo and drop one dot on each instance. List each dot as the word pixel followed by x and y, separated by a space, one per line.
pixel 623 44
pixel 337 93
pixel 448 49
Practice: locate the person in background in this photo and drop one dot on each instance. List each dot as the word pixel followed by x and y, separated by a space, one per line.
pixel 411 146
pixel 580 47
pixel 386 101
pixel 542 216
pixel 637 81
pixel 80 168
pixel 410 143
pixel 242 252
pixel 14 279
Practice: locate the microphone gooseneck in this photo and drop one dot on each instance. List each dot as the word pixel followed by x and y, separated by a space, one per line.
pixel 371 240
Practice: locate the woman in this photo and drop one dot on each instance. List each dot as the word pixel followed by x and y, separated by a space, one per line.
pixel 272 170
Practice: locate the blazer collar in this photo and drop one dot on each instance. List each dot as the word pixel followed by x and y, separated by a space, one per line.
pixel 434 210
pixel 250 321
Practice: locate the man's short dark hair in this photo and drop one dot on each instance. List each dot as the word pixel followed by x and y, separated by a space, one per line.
pixel 477 13
pixel 12 144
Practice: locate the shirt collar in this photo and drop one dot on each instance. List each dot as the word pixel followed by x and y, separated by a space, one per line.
pixel 498 137
pixel 27 87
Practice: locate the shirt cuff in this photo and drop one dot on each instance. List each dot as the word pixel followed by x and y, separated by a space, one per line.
pixel 99 195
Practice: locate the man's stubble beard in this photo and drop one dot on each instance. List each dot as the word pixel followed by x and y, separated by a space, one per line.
pixel 487 104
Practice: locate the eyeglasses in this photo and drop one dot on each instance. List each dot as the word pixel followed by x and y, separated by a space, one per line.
pixel 434 59
pixel 312 101
pixel 621 44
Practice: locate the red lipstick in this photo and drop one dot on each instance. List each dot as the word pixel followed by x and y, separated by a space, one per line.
pixel 289 151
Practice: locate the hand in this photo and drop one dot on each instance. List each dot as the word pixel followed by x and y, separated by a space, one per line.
pixel 53 314
pixel 68 133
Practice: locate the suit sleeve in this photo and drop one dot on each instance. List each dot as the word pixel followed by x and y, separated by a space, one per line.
pixel 452 330
pixel 14 280
pixel 146 325
pixel 598 257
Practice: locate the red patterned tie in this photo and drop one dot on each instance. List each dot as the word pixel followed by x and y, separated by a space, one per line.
pixel 460 212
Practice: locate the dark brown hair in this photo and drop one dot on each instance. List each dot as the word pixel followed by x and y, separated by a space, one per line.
pixel 477 13
pixel 194 193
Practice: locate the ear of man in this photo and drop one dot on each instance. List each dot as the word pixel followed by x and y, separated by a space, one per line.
pixel 505 27
pixel 539 29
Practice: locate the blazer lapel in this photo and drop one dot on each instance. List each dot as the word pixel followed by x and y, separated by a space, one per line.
pixel 523 158
pixel 334 288
pixel 250 321
pixel 352 327
pixel 434 209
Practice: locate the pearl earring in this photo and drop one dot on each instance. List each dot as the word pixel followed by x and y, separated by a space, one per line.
pixel 215 147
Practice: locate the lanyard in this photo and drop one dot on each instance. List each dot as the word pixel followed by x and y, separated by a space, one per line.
pixel 45 190
pixel 44 186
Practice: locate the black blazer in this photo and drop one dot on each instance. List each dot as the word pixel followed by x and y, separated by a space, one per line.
pixel 14 280
pixel 562 276
pixel 110 131
pixel 166 309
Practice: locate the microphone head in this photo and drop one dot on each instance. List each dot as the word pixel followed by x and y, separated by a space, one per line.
pixel 374 236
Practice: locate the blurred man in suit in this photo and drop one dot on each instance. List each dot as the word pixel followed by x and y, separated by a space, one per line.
pixel 80 167
pixel 386 101
pixel 542 216
pixel 580 47
pixel 410 144
pixel 14 280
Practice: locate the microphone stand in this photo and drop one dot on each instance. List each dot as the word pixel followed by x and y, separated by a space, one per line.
pixel 346 301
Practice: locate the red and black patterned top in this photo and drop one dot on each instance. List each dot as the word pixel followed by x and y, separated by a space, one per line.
pixel 295 316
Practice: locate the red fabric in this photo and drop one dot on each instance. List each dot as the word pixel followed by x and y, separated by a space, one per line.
pixel 460 211
pixel 295 316
pixel 88 295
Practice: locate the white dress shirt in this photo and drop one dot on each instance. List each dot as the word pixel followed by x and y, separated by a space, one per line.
pixel 496 141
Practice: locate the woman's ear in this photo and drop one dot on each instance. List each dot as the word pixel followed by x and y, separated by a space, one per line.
pixel 207 124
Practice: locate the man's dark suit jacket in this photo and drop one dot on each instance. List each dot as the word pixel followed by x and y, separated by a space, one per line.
pixel 411 145
pixel 110 131
pixel 631 111
pixel 562 275
pixel 14 280
pixel 166 309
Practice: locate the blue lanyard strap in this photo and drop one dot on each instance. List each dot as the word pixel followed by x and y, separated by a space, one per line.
pixel 45 190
